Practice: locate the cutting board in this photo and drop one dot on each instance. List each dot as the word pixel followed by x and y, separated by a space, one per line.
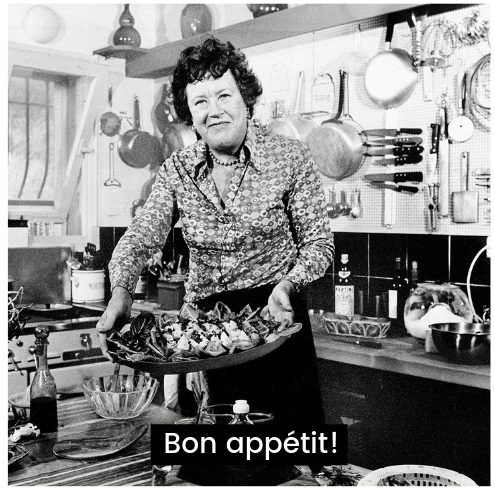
pixel 99 441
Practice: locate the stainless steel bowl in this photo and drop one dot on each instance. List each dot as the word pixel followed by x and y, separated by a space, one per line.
pixel 463 342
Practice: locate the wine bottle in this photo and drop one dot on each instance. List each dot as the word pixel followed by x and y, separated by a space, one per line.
pixel 344 289
pixel 397 294
pixel 414 277
pixel 43 391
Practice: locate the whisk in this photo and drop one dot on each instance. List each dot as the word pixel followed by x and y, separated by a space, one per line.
pixel 472 30
pixel 439 42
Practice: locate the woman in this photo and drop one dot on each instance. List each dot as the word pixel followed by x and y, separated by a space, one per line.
pixel 254 218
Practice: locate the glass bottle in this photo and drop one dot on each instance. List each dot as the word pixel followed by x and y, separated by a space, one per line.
pixel 414 277
pixel 241 413
pixel 397 294
pixel 344 289
pixel 43 391
pixel 141 290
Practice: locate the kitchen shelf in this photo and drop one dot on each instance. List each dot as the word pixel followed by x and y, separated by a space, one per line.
pixel 160 61
pixel 124 52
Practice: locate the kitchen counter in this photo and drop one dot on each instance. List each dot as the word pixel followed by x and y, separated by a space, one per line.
pixel 404 356
pixel 129 467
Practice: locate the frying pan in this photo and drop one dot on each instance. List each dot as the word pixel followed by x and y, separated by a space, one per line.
pixel 390 76
pixel 337 146
pixel 109 121
pixel 175 137
pixel 138 148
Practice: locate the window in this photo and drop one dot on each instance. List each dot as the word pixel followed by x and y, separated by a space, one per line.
pixel 37 111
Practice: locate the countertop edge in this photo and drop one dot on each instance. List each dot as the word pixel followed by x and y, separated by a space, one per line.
pixel 401 356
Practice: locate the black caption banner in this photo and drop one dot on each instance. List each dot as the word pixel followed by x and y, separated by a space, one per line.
pixel 244 444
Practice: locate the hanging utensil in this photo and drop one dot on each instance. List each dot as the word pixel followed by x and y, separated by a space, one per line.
pixel 465 203
pixel 294 126
pixel 337 145
pixel 400 160
pixel 110 122
pixel 398 151
pixel 331 207
pixel 443 161
pixel 111 181
pixel 138 148
pixel 164 112
pixel 390 76
pixel 356 209
pixel 398 141
pixel 461 128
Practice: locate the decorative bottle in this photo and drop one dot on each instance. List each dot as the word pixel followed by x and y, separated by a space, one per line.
pixel 195 19
pixel 241 413
pixel 43 391
pixel 344 289
pixel 127 34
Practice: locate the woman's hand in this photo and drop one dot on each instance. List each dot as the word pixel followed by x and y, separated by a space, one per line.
pixel 279 302
pixel 117 313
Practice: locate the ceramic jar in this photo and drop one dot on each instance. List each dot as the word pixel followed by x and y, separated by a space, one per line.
pixel 127 34
pixel 195 19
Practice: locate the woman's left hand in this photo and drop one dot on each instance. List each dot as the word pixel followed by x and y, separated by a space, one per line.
pixel 279 302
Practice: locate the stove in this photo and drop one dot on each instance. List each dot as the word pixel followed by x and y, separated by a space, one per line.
pixel 74 353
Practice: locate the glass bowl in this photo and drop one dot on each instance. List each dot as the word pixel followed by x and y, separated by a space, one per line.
pixel 428 295
pixel 120 396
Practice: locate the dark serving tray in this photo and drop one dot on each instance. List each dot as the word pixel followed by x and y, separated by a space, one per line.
pixel 222 361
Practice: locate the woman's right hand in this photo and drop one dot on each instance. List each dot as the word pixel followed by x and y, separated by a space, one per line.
pixel 117 313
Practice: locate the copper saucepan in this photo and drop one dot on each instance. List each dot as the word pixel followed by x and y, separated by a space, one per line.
pixel 390 76
pixel 138 148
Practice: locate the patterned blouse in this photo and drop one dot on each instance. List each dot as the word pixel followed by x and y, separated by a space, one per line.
pixel 271 226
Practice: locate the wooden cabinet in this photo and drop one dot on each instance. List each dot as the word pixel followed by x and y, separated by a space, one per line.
pixel 397 419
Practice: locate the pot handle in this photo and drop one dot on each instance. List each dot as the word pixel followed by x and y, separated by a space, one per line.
pixel 137 122
pixel 75 281
pixel 390 32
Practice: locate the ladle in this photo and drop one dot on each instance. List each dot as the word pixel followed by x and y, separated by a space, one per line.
pixel 111 181
pixel 331 207
pixel 356 209
pixel 346 207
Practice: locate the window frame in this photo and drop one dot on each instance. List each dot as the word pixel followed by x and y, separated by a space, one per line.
pixel 89 73
pixel 60 138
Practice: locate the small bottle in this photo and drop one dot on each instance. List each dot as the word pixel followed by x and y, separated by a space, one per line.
pixel 241 413
pixel 141 290
pixel 43 391
pixel 397 294
pixel 344 289
pixel 414 277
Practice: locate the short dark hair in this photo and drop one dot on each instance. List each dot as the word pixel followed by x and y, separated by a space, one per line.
pixel 214 58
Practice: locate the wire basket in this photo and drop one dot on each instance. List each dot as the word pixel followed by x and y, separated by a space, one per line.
pixel 415 475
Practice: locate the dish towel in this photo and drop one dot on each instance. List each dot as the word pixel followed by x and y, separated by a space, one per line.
pixel 195 382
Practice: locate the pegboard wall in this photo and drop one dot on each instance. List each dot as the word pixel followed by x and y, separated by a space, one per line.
pixel 115 202
pixel 278 66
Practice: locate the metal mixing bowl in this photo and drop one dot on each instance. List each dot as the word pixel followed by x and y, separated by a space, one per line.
pixel 463 342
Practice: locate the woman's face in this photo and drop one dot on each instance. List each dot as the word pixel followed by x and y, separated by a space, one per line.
pixel 218 112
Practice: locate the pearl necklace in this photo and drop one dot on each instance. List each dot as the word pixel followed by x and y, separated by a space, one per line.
pixel 225 164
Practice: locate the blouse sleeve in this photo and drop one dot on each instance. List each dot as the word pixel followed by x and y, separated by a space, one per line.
pixel 311 225
pixel 146 234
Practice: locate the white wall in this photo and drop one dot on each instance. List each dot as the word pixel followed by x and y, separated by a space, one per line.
pixel 87 27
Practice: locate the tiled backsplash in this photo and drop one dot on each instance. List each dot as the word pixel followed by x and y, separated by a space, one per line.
pixel 372 257
pixel 440 257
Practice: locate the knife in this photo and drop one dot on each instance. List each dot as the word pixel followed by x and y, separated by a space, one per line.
pixel 393 132
pixel 399 160
pixel 401 150
pixel 359 342
pixel 399 140
pixel 395 177
pixel 396 187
